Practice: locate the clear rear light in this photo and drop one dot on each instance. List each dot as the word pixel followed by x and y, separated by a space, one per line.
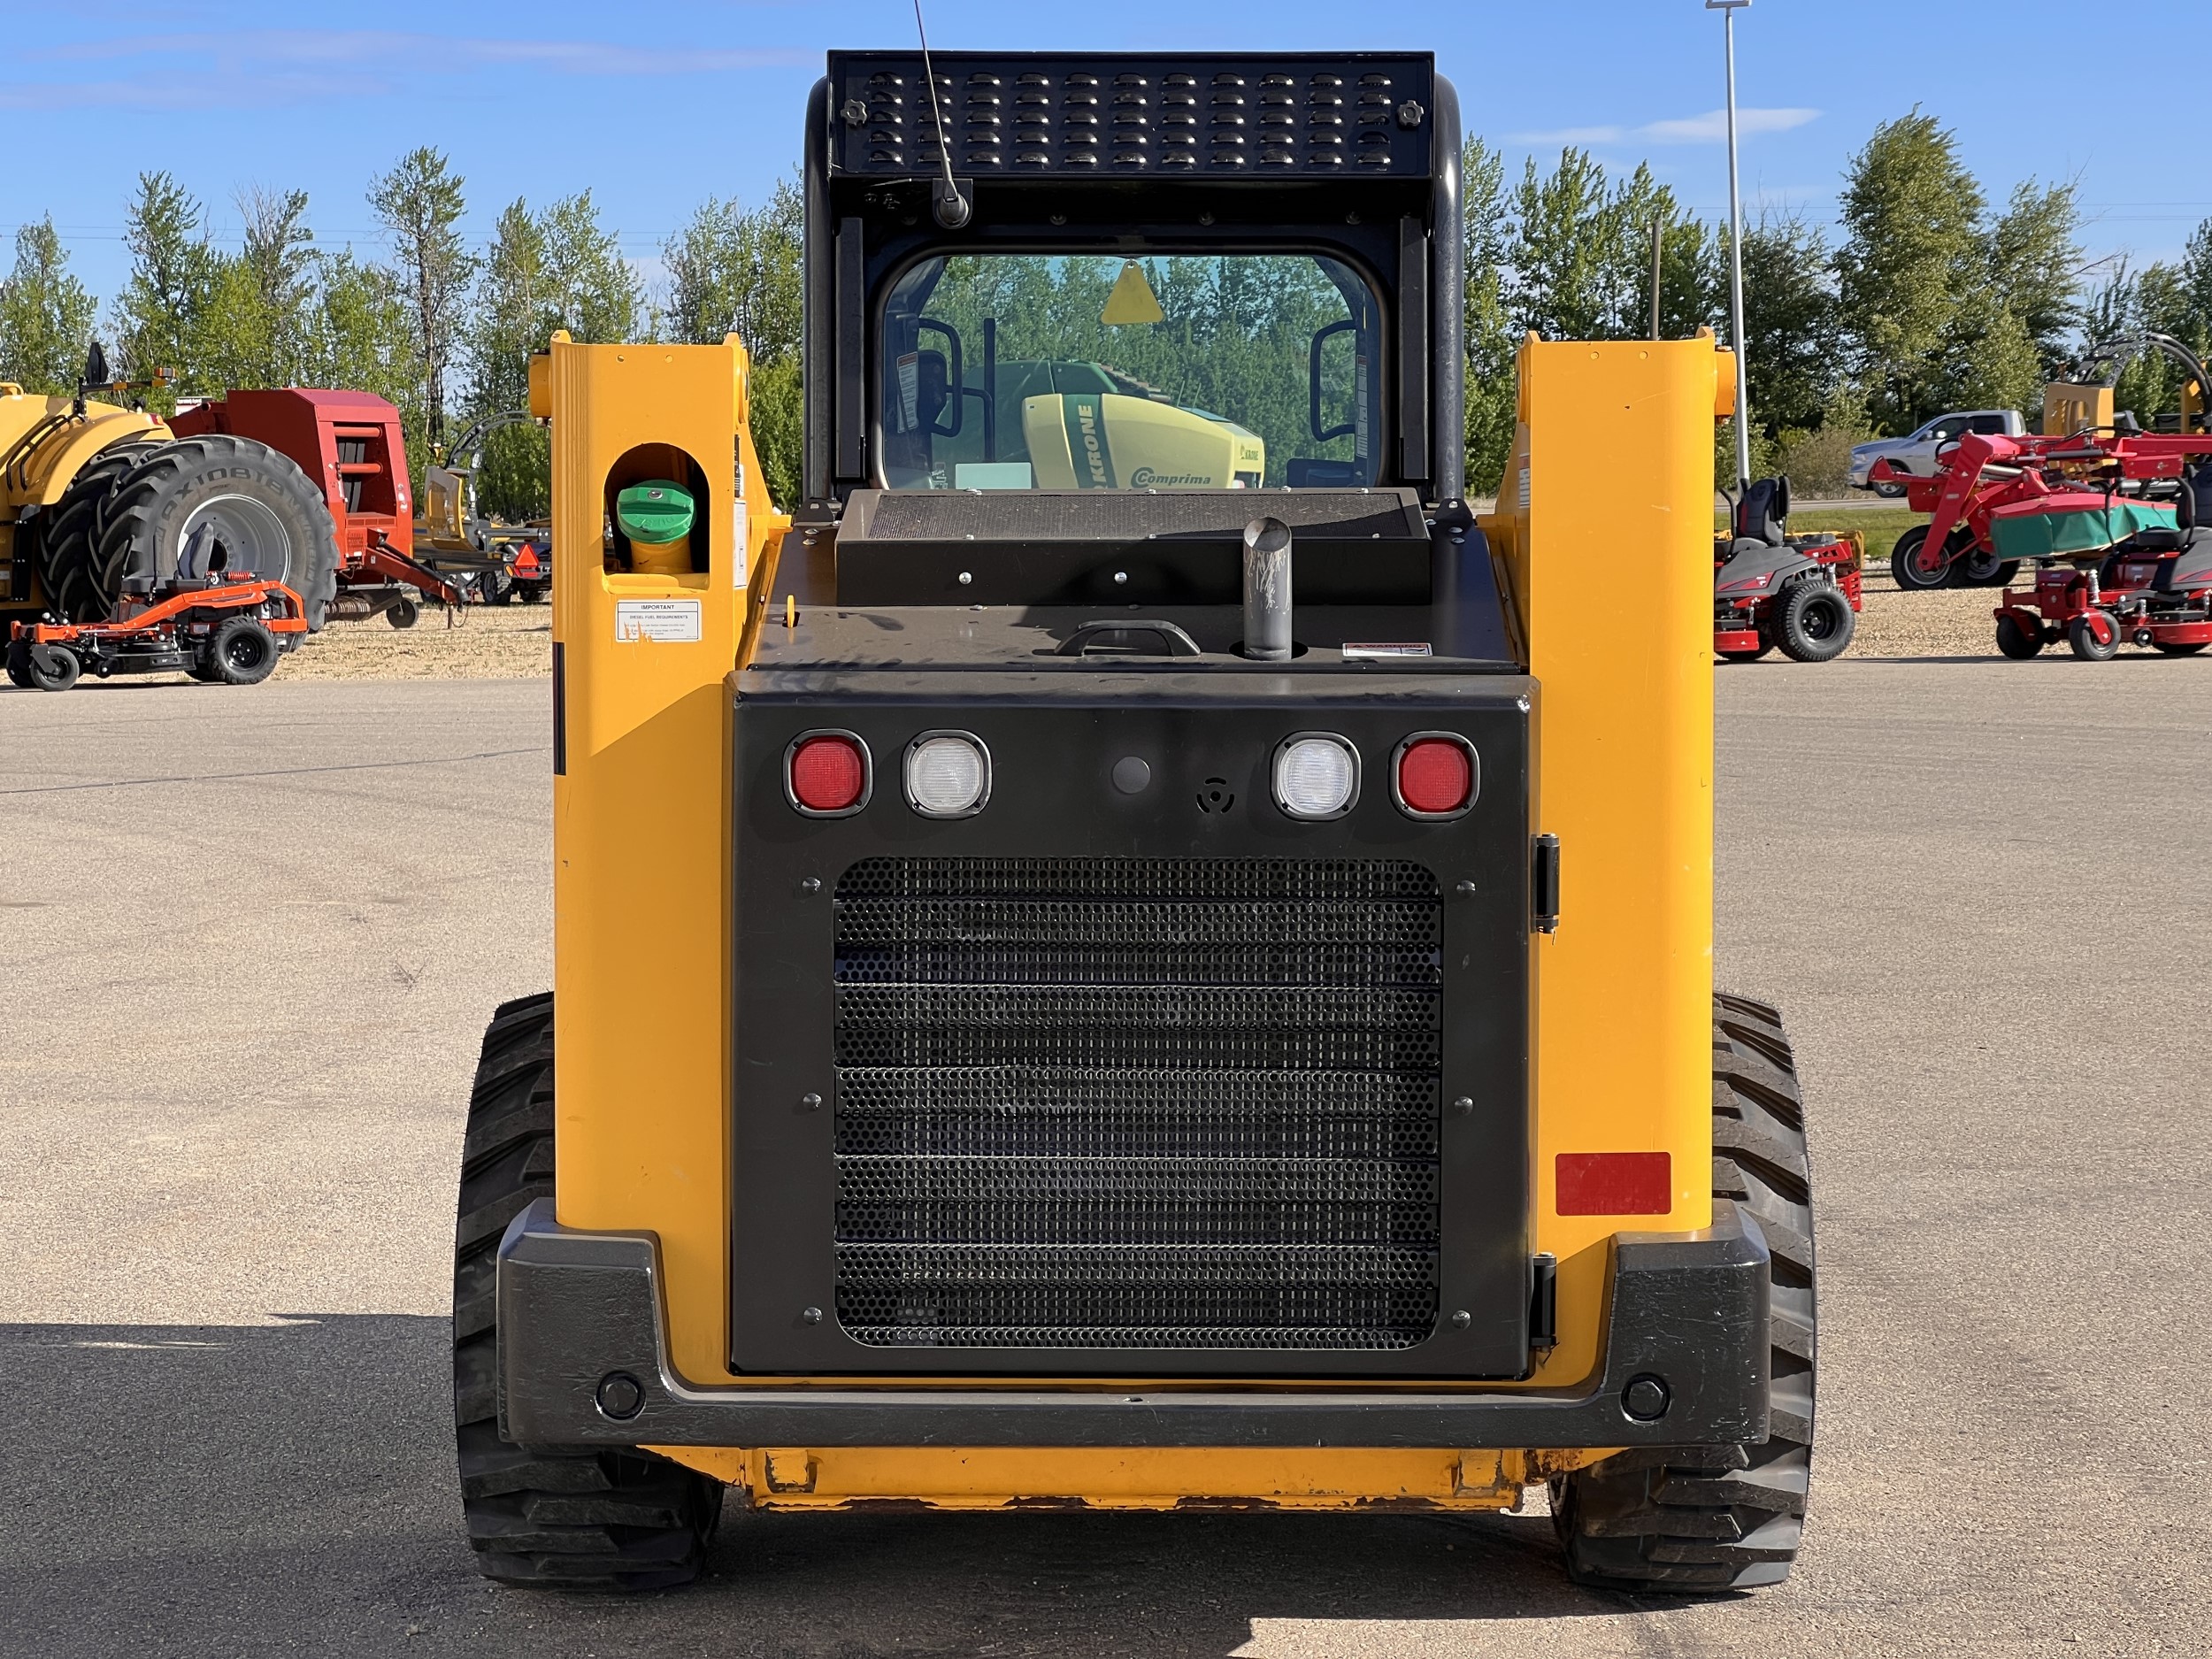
pixel 948 774
pixel 1435 775
pixel 1317 775
pixel 827 774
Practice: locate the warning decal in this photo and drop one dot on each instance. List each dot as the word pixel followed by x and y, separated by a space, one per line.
pixel 672 621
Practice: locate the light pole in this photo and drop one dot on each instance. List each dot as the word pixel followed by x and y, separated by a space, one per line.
pixel 1727 9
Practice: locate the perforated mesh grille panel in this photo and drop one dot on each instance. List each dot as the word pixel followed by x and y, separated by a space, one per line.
pixel 1137 1104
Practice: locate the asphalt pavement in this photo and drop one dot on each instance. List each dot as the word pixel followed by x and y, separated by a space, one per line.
pixel 251 937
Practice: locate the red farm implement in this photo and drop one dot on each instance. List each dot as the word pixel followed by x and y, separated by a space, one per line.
pixel 349 445
pixel 229 630
pixel 2110 520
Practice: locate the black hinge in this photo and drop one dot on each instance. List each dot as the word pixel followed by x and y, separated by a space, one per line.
pixel 1543 1301
pixel 1544 886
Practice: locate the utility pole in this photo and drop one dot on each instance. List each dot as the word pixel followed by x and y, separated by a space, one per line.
pixel 1727 9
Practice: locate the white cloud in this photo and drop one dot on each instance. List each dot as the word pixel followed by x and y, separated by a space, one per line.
pixel 183 71
pixel 1708 128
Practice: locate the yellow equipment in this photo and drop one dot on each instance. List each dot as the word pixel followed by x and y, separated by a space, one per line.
pixel 99 502
pixel 1125 997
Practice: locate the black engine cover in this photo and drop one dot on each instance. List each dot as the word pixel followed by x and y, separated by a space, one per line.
pixel 1131 1082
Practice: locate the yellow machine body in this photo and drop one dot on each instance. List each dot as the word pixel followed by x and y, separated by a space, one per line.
pixel 642 890
pixel 44 443
pixel 2070 409
pixel 1111 440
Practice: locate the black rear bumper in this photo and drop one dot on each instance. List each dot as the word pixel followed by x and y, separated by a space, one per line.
pixel 582 1341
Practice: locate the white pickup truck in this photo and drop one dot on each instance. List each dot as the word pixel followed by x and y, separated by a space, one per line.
pixel 1917 452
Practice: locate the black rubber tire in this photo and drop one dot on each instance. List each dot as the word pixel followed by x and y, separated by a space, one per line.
pixel 534 593
pixel 1909 578
pixel 18 664
pixel 572 1517
pixel 1703 1520
pixel 52 667
pixel 2164 649
pixel 1814 622
pixel 2084 643
pixel 403 613
pixel 66 537
pixel 140 534
pixel 242 651
pixel 1975 569
pixel 499 587
pixel 2018 642
pixel 1887 492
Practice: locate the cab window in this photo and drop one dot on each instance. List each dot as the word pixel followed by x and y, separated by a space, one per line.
pixel 1097 371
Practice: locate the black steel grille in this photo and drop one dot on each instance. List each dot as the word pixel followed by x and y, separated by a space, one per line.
pixel 1137 1104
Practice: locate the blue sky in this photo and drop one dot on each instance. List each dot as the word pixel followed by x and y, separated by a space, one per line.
pixel 657 103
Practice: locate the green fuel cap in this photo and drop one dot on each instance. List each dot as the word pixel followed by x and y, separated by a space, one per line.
pixel 654 512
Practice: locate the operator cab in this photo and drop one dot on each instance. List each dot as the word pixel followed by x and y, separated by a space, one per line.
pixel 1171 296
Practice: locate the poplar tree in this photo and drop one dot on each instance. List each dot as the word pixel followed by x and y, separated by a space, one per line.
pixel 419 204
pixel 45 315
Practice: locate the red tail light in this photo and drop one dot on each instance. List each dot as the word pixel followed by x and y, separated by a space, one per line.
pixel 827 773
pixel 1435 774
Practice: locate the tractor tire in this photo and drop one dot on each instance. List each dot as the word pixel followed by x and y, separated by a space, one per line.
pixel 1907 567
pixel 67 536
pixel 242 651
pixel 2083 641
pixel 1977 569
pixel 1815 622
pixel 52 667
pixel 217 504
pixel 2017 641
pixel 1703 1520
pixel 561 1517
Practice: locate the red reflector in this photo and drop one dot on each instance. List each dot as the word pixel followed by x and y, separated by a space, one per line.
pixel 827 774
pixel 1434 776
pixel 1615 1184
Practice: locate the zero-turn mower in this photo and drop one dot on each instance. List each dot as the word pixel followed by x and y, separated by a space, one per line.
pixel 226 629
pixel 1771 588
pixel 1083 979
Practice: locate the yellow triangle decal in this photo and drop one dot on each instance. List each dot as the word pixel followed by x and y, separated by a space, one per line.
pixel 1131 300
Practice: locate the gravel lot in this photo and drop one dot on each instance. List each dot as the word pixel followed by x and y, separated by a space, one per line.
pixel 515 641
pixel 255 936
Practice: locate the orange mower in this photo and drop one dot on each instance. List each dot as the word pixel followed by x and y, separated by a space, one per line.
pixel 228 630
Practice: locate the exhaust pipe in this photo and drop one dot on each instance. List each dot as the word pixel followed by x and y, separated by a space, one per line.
pixel 1267 590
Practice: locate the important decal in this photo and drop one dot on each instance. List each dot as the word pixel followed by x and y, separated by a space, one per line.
pixel 671 621
pixel 1145 478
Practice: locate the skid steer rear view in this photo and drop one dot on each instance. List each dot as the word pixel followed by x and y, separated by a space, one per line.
pixel 1131 952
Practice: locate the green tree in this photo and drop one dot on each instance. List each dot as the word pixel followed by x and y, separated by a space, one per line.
pixel 2034 264
pixel 593 291
pixel 1913 256
pixel 1564 251
pixel 1790 321
pixel 45 315
pixel 513 318
pixel 360 334
pixel 172 264
pixel 419 204
pixel 252 329
pixel 731 270
pixel 1492 344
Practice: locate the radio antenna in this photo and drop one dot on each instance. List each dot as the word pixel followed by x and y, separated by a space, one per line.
pixel 950 207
